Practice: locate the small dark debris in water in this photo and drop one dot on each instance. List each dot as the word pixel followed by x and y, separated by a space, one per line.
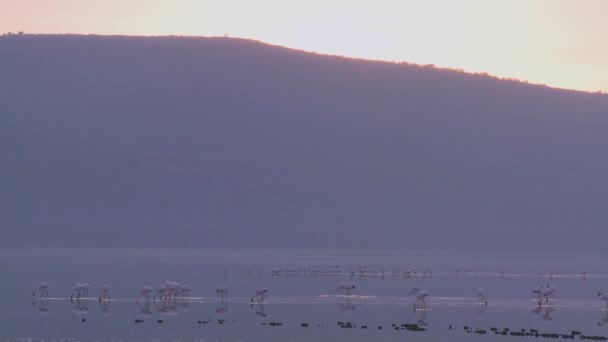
pixel 379 327
pixel 83 320
pixel 493 329
pixel 450 327
pixel 159 321
pixel 275 324
pixel 466 327
pixel 139 321
pixel 200 322
pixel 364 327
pixel 304 325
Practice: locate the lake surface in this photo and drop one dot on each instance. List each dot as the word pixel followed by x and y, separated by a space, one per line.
pixel 301 288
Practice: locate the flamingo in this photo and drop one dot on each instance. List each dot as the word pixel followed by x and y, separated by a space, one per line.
pixel 222 291
pixel 538 291
pixel 185 290
pixel 172 288
pixel 549 292
pixel 481 296
pixel 260 294
pixel 42 289
pixel 78 291
pixel 346 288
pixel 420 296
pixel 85 289
pixel 161 292
pixel 145 292
pixel 105 293
pixel 603 296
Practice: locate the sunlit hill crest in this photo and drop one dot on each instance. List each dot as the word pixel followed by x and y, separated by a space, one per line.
pixel 21 34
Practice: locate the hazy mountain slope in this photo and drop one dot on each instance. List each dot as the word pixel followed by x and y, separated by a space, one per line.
pixel 112 141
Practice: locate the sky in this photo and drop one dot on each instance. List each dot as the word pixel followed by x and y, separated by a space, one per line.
pixel 561 43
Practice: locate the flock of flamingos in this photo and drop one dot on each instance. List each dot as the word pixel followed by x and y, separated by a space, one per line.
pixel 167 295
pixel 171 290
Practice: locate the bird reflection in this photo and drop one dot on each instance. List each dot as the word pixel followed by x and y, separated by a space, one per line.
pixel 222 309
pixel 544 311
pixel 481 310
pixel 81 306
pixel 421 317
pixel 345 304
pixel 104 306
pixel 144 307
pixel 183 306
pixel 259 310
pixel 41 305
pixel 603 322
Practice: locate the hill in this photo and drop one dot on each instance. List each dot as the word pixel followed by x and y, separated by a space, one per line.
pixel 220 142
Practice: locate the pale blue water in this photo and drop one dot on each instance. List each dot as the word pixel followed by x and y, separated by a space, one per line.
pixel 380 298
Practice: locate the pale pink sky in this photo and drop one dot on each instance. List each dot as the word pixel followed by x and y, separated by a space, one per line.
pixel 563 43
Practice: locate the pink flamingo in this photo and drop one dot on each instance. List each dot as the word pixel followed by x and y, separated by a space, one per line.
pixel 346 288
pixel 173 288
pixel 185 290
pixel 78 291
pixel 105 293
pixel 604 296
pixel 481 296
pixel 420 296
pixel 145 292
pixel 42 289
pixel 161 292
pixel 222 291
pixel 85 289
pixel 260 295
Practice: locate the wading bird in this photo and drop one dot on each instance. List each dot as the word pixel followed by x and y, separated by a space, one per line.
pixel 346 289
pixel 41 289
pixel 260 295
pixel 161 292
pixel 222 291
pixel 105 293
pixel 481 296
pixel 185 290
pixel 419 294
pixel 145 293
pixel 603 296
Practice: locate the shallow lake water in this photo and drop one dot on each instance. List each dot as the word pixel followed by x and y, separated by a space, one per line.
pixel 302 304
